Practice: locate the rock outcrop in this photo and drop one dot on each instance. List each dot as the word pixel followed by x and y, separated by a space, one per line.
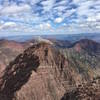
pixel 85 91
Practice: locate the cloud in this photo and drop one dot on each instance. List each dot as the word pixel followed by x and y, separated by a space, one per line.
pixel 13 9
pixel 58 20
pixel 68 13
pixel 48 4
pixel 91 19
pixel 6 25
pixel 60 8
pixel 32 2
pixel 44 26
pixel 49 16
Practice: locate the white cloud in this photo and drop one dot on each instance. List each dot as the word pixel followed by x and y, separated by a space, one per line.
pixel 7 25
pixel 83 8
pixel 91 19
pixel 44 26
pixel 1 22
pixel 49 15
pixel 48 5
pixel 98 17
pixel 60 8
pixel 58 20
pixel 68 13
pixel 98 27
pixel 13 9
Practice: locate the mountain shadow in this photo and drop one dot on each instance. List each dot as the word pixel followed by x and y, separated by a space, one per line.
pixel 17 74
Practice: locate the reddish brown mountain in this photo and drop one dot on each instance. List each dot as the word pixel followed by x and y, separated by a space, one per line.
pixel 40 73
pixel 87 45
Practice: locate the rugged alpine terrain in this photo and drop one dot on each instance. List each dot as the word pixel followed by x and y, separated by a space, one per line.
pixel 84 57
pixel 45 71
pixel 37 74
pixel 85 91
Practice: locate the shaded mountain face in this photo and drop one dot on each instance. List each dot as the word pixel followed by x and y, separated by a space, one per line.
pixel 88 45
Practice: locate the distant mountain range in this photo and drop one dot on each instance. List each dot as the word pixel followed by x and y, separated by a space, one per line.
pixel 68 37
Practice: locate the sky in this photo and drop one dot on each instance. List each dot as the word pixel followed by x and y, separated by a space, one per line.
pixel 25 17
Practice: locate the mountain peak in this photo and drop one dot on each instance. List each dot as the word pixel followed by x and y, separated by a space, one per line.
pixel 43 50
pixel 39 39
pixel 87 45
pixel 41 72
pixel 42 66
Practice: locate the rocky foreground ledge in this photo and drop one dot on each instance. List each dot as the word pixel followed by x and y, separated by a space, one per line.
pixel 86 91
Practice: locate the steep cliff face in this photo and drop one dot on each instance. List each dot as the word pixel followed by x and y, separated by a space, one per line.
pixel 40 73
